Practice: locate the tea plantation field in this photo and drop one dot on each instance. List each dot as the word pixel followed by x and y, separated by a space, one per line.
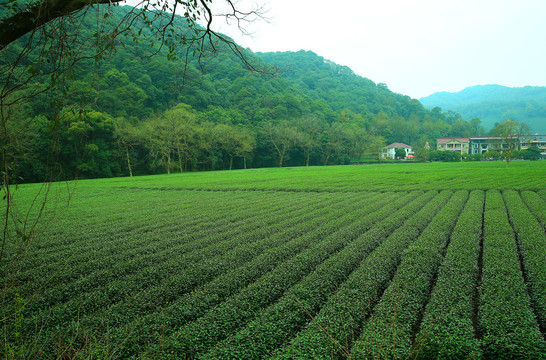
pixel 406 261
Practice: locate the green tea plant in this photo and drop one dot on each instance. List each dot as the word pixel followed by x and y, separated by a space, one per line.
pixel 391 327
pixel 508 326
pixel 317 263
pixel 334 329
pixel 447 330
pixel 531 242
pixel 273 326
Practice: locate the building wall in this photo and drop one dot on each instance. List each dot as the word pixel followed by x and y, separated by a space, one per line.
pixel 390 152
pixel 483 144
pixel 454 145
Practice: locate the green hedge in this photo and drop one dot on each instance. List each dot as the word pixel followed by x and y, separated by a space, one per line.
pixel 191 306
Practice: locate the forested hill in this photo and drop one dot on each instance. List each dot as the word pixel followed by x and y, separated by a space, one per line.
pixel 339 86
pixel 138 112
pixel 495 103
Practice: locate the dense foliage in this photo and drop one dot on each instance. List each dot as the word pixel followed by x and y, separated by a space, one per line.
pixel 140 111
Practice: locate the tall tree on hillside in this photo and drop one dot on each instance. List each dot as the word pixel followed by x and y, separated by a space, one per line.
pixel 127 137
pixel 171 136
pixel 86 143
pixel 310 128
pixel 476 127
pixel 283 136
pixel 236 142
pixel 356 138
pixel 41 41
pixel 332 142
pixel 247 144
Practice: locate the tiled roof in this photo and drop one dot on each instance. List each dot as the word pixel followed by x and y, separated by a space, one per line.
pixel 533 138
pixel 398 145
pixel 444 140
pixel 486 137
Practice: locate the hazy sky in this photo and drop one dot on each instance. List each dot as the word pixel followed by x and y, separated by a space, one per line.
pixel 416 47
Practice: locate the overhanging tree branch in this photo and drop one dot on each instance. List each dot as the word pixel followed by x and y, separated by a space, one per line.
pixel 30 18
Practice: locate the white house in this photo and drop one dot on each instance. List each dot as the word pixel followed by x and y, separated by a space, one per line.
pixel 390 150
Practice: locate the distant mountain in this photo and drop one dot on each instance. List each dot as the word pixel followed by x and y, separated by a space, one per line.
pixel 495 103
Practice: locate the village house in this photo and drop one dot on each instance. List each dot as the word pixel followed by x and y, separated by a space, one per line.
pixel 539 141
pixel 459 144
pixel 482 144
pixel 389 151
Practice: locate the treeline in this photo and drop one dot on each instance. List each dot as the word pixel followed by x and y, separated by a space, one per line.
pixel 139 112
pixel 94 144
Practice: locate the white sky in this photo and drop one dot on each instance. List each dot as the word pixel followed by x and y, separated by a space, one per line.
pixel 416 47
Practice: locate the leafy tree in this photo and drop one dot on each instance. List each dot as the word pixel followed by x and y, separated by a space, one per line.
pixel 476 128
pixel 206 141
pixel 283 136
pixel 127 136
pixel 374 145
pixel 531 153
pixel 510 131
pixel 247 144
pixel 422 154
pixel 400 153
pixel 171 135
pixel 236 142
pixel 357 139
pixel 85 143
pixel 332 142
pixel 310 128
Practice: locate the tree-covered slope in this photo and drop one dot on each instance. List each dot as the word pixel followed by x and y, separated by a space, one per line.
pixel 140 111
pixel 495 103
pixel 339 86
